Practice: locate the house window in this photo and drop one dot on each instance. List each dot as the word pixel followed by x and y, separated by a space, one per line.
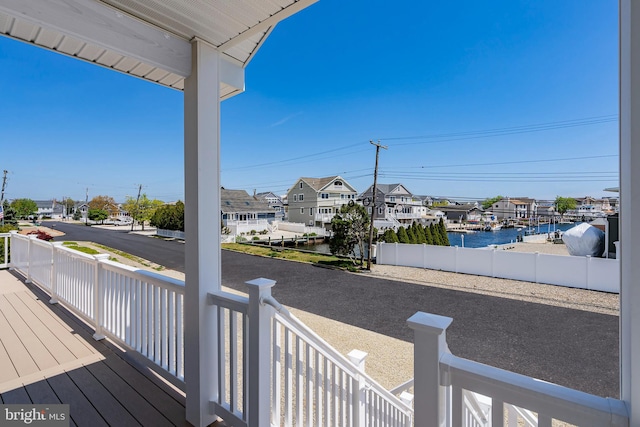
pixel 301 210
pixel 338 183
pixel 380 211
pixel 311 211
pixel 295 197
pixel 369 210
pixel 392 198
pixel 324 196
pixel 300 184
pixel 300 197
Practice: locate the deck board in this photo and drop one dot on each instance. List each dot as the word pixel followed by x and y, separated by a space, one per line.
pixel 37 350
pixel 58 328
pixel 20 357
pixel 52 343
pixel 49 356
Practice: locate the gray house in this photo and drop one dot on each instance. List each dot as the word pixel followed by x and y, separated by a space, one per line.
pixel 238 205
pixel 395 205
pixel 314 201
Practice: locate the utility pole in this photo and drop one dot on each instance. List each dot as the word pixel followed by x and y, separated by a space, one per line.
pixel 373 204
pixel 137 200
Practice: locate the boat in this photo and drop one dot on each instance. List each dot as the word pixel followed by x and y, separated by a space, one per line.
pixel 494 226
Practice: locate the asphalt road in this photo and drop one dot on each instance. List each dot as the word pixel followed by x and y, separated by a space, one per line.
pixel 574 348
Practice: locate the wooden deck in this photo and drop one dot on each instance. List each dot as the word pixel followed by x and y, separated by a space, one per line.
pixel 48 356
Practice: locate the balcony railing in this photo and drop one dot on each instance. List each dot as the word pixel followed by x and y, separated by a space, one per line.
pixel 452 391
pixel 304 382
pixel 273 370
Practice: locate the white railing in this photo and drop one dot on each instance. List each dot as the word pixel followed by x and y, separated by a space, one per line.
pixel 237 227
pixel 274 370
pixel 172 234
pixel 4 250
pixel 446 387
pixel 598 274
pixel 324 217
pixel 318 386
pixel 140 309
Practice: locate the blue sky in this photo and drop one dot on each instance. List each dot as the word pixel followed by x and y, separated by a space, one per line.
pixel 473 99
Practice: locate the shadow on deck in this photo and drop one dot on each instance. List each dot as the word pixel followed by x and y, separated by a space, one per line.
pixel 48 356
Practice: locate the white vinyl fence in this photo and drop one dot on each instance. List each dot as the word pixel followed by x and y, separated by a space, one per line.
pixel 598 274
pixel 4 248
pixel 172 234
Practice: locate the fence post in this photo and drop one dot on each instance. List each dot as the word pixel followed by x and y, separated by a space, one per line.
pixel 31 238
pixel 358 357
pixel 587 272
pixel 430 344
pixel 260 314
pixel 536 263
pixel 98 297
pixel 54 274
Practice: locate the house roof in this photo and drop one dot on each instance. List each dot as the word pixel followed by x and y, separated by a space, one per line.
pixel 459 208
pixel 318 184
pixel 150 39
pixel 241 201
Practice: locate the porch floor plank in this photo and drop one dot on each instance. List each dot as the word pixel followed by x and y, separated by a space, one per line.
pixel 18 353
pixel 56 326
pixel 8 372
pixel 49 356
pixel 58 350
pixel 38 351
pixel 41 393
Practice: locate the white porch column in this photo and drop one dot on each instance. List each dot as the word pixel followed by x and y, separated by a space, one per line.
pixel 629 246
pixel 202 229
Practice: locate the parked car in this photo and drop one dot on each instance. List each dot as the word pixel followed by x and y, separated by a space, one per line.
pixel 122 221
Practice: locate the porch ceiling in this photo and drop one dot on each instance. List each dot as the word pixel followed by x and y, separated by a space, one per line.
pixel 149 39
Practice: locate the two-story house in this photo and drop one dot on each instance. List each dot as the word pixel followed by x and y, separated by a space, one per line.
pixel 274 201
pixel 394 205
pixel 515 208
pixel 468 212
pixel 315 201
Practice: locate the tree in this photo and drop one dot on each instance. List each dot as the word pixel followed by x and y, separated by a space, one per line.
pixel 444 237
pixel 98 214
pixel 169 217
pixel 350 227
pixel 487 203
pixel 428 235
pixel 403 237
pixel 564 204
pixel 24 208
pixel 141 210
pixel 389 236
pixel 105 203
pixel 9 214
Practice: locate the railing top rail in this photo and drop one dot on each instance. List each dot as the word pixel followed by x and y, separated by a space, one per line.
pixel 151 277
pixel 228 300
pixel 553 400
pixel 293 323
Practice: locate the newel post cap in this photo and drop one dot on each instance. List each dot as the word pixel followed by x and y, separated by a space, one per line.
pixel 429 323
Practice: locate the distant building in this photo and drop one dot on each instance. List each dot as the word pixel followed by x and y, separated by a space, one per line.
pixel 315 201
pixel 238 205
pixel 515 208
pixel 274 201
pixel 395 205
